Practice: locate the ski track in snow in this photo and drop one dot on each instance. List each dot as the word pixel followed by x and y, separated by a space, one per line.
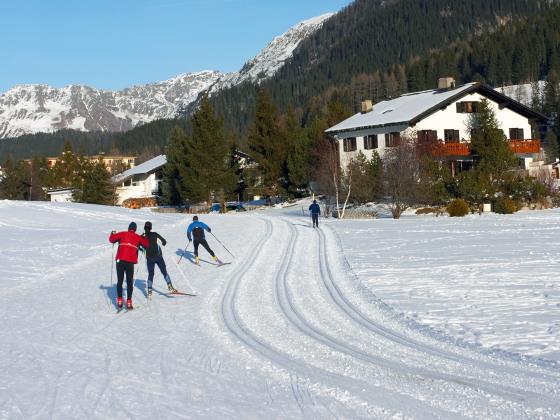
pixel 286 331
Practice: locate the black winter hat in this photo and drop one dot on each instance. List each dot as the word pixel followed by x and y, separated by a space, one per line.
pixel 132 226
pixel 148 226
pixel 195 218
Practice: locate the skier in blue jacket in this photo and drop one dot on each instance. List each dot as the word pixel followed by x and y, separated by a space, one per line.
pixel 195 233
pixel 315 212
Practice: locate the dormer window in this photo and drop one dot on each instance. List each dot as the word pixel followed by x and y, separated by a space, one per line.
pixel 467 107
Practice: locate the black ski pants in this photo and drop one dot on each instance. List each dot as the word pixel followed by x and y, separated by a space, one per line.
pixel 202 242
pixel 151 263
pixel 315 218
pixel 125 267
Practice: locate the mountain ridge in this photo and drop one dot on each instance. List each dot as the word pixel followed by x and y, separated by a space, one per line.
pixel 33 108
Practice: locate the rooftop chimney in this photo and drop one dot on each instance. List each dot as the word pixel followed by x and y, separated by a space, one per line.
pixel 446 83
pixel 367 106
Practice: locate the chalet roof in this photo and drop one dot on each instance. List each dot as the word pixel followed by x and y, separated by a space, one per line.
pixel 144 168
pixel 410 108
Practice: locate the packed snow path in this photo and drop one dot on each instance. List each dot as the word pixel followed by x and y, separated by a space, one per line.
pixel 285 331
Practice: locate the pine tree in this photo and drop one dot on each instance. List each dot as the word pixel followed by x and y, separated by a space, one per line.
pixel 65 172
pixel 551 93
pixel 207 171
pixel 96 186
pixel 199 164
pixel 297 165
pixel 265 142
pixel 493 156
pixel 173 185
pixel 13 185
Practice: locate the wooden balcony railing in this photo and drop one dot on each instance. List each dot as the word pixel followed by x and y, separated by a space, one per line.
pixel 525 146
pixel 464 149
pixel 451 149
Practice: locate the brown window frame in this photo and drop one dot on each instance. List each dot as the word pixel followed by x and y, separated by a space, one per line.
pixel 427 136
pixel 467 107
pixel 451 136
pixel 349 144
pixel 392 139
pixel 371 142
pixel 514 134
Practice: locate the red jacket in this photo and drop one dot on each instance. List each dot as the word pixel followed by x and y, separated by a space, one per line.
pixel 128 245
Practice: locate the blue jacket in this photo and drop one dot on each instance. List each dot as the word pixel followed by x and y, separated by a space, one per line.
pixel 195 225
pixel 315 209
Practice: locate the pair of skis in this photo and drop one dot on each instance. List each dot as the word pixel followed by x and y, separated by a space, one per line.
pixel 176 293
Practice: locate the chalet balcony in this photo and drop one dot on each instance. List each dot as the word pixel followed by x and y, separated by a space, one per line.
pixel 444 150
pixel 525 146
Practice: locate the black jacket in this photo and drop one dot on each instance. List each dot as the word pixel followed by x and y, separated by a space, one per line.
pixel 153 249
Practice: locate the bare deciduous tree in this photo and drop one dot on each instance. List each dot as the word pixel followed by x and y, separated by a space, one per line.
pixel 400 165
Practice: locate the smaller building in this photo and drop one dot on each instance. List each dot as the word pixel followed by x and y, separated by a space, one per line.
pixel 142 181
pixel 61 195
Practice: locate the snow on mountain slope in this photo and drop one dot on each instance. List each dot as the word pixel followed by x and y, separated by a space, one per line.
pixel 304 323
pixel 27 109
pixel 273 56
pixel 40 108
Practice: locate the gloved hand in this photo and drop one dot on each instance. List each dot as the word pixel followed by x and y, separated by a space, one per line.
pixel 113 232
pixel 209 230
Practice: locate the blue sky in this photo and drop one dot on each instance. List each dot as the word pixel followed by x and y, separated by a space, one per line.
pixel 113 44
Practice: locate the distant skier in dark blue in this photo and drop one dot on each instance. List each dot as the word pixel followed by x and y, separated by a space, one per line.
pixel 195 232
pixel 315 210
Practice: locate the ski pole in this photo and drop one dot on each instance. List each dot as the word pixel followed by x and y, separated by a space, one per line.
pixel 184 252
pixel 112 264
pixel 222 244
pixel 189 285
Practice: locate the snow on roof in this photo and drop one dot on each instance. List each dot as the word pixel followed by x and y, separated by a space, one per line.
pixel 144 168
pixel 400 110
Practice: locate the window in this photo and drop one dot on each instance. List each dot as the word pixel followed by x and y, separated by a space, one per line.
pixel 467 107
pixel 516 134
pixel 349 144
pixel 370 142
pixel 392 139
pixel 427 136
pixel 451 136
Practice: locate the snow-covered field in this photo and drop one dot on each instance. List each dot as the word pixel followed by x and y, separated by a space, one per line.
pixel 418 318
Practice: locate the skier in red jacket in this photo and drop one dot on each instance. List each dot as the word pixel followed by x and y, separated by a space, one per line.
pixel 127 256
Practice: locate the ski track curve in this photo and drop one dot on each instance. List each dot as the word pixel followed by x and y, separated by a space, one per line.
pixel 297 319
pixel 493 387
pixel 361 389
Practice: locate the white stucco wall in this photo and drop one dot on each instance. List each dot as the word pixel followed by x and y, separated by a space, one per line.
pixel 61 197
pixel 146 185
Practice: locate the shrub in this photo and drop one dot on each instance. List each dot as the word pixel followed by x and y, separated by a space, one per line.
pixel 505 205
pixel 458 208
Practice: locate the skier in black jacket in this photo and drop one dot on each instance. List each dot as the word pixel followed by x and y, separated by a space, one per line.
pixel 154 256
